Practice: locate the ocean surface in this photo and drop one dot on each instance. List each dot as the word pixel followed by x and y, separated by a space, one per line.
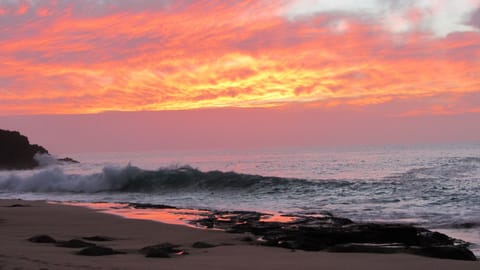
pixel 435 186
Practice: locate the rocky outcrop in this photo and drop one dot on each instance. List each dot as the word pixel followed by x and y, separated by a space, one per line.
pixel 16 152
pixel 333 234
pixel 67 160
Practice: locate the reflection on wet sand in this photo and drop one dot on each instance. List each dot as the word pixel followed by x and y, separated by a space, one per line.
pixel 171 215
pixel 167 215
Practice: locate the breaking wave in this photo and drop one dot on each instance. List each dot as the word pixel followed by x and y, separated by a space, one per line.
pixel 452 168
pixel 134 179
pixel 430 180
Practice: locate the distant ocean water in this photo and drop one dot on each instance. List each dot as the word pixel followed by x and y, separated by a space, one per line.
pixel 435 186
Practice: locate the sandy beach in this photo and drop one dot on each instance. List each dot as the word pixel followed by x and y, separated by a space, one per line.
pixel 64 222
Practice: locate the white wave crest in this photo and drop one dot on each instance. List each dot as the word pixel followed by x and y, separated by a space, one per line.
pixel 54 179
pixel 45 160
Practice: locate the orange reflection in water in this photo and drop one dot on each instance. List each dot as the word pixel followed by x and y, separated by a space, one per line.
pixel 170 216
pixel 278 218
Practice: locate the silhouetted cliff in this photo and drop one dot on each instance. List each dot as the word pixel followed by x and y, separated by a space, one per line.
pixel 16 152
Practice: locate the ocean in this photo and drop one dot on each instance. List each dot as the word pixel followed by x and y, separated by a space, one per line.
pixel 434 186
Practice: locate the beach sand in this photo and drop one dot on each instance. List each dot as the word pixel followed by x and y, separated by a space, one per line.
pixel 64 222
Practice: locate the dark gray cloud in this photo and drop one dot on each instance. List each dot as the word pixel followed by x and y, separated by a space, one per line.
pixel 474 19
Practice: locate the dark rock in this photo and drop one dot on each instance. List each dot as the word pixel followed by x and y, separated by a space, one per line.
pixel 368 248
pixel 17 152
pixel 18 205
pixel 171 248
pixel 75 243
pixel 208 222
pixel 244 216
pixel 150 206
pixel 98 238
pixel 42 239
pixel 98 251
pixel 225 220
pixel 67 160
pixel 203 245
pixel 257 228
pixel 164 250
pixel 445 252
pixel 315 233
pixel 429 238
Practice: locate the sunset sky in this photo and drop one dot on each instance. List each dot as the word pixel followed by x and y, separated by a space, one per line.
pixel 239 73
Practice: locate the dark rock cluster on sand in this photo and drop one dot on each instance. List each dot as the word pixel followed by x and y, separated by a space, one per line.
pixel 164 250
pixel 329 233
pixel 18 154
pixel 88 249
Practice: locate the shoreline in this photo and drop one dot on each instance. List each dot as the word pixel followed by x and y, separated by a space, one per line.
pixel 324 232
pixel 130 235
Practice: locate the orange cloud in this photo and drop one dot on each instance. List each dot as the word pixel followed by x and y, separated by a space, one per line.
pixel 175 55
pixel 42 12
pixel 22 9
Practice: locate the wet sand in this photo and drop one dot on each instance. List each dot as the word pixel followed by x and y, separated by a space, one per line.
pixel 65 222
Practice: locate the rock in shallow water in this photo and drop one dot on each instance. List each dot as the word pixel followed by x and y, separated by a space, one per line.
pixel 151 206
pixel 68 160
pixel 334 234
